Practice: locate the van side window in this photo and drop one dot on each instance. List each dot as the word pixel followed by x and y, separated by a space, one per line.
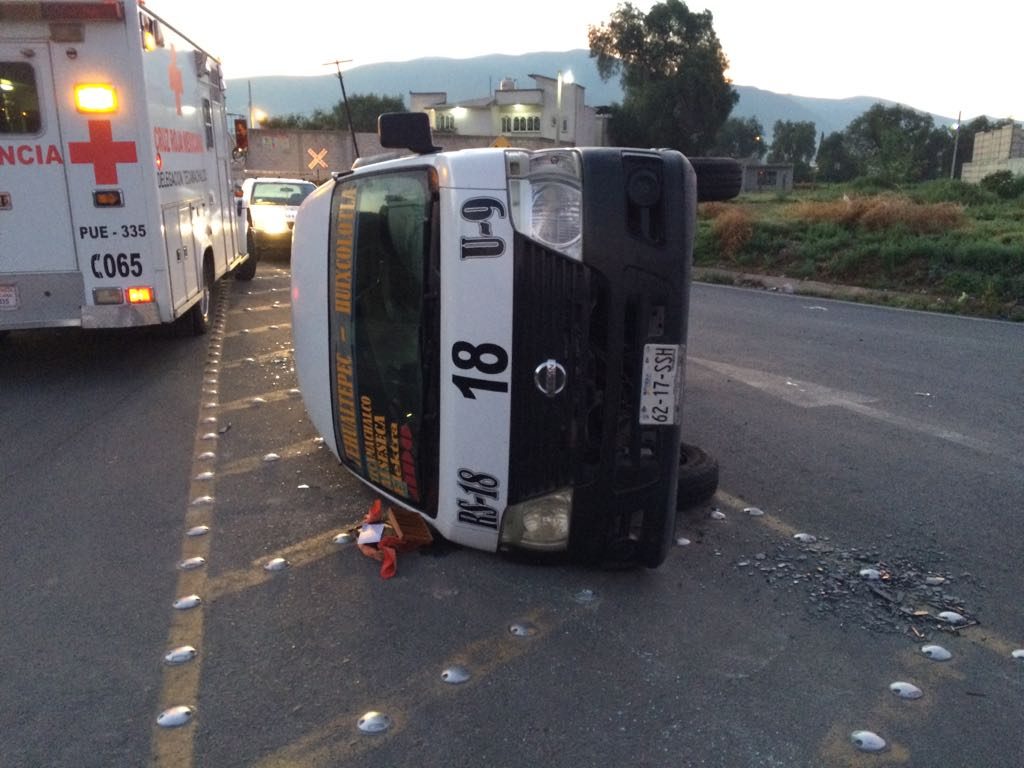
pixel 19 99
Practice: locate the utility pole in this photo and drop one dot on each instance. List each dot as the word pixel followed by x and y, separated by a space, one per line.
pixel 344 101
pixel 956 141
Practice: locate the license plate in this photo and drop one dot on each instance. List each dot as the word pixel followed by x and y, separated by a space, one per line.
pixel 8 297
pixel 662 384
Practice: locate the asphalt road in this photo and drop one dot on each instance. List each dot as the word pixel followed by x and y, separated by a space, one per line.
pixel 894 438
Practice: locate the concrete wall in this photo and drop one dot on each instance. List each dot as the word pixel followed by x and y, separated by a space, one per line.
pixel 998 150
pixel 312 155
pixel 304 154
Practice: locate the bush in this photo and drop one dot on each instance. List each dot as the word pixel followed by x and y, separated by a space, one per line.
pixel 951 191
pixel 1004 184
pixel 959 247
pixel 872 185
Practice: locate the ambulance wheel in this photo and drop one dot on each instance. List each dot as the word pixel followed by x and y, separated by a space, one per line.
pixel 247 269
pixel 698 476
pixel 200 316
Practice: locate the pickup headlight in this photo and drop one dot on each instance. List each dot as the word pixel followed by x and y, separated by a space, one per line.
pixel 545 192
pixel 270 219
pixel 539 524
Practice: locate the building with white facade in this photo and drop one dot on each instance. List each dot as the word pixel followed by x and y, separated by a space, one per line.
pixel 552 112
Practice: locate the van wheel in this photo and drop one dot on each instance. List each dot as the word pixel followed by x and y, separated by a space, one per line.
pixel 718 178
pixel 247 269
pixel 698 476
pixel 200 316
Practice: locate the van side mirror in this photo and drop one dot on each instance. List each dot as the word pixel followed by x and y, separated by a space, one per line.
pixel 406 130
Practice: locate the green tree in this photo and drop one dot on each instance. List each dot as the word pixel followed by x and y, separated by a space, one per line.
pixel 672 71
pixel 740 137
pixel 365 109
pixel 834 161
pixel 794 142
pixel 891 143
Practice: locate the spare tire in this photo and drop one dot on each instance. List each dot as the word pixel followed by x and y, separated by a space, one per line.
pixel 698 476
pixel 718 178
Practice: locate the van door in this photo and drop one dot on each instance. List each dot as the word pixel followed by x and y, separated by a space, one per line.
pixel 181 253
pixel 35 222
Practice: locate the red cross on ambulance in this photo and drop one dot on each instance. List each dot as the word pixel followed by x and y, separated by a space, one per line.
pixel 102 152
pixel 174 79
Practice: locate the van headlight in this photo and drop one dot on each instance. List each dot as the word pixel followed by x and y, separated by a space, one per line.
pixel 539 524
pixel 546 197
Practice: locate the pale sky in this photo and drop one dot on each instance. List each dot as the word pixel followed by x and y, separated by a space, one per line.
pixel 939 56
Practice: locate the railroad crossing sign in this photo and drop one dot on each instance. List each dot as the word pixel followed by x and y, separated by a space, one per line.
pixel 318 159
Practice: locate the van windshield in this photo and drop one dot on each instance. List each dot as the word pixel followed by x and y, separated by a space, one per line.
pixel 381 319
pixel 274 193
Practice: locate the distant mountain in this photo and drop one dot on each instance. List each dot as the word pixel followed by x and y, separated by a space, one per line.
pixel 464 79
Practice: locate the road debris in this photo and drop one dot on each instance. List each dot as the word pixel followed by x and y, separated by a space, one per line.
pixel 859 585
pixel 383 535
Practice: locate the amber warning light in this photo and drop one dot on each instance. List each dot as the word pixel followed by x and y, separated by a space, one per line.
pixel 142 294
pixel 95 98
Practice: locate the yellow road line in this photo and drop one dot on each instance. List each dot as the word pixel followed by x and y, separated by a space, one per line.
pixel 251 463
pixel 251 402
pixel 336 744
pixel 767 520
pixel 298 555
pixel 263 357
pixel 258 329
pixel 180 684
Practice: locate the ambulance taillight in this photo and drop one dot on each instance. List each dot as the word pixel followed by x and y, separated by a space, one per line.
pixel 95 98
pixel 141 294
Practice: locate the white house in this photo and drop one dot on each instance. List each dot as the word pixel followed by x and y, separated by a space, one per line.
pixel 552 112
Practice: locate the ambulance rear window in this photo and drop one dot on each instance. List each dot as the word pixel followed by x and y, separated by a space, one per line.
pixel 19 98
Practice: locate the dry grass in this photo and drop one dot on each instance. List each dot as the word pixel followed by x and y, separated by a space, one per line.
pixel 884 212
pixel 732 226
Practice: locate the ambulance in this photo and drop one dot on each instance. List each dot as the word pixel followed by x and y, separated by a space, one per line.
pixel 495 339
pixel 117 206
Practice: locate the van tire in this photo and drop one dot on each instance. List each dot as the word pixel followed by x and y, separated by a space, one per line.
pixel 247 269
pixel 199 318
pixel 698 476
pixel 718 178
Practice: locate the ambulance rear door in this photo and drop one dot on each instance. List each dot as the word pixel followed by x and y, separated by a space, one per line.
pixel 40 280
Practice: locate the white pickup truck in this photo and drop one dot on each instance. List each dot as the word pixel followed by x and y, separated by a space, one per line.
pixel 496 338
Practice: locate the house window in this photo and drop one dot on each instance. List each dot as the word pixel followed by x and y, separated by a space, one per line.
pixel 445 122
pixel 520 124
